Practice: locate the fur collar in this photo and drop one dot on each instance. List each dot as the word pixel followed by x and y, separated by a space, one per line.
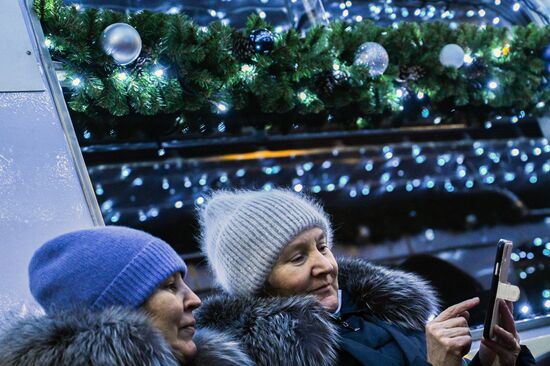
pixel 297 331
pixel 114 337
pixel 216 348
pixel 394 296
pixel 291 331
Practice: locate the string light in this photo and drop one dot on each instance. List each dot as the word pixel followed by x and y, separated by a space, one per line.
pixel 369 171
pixel 221 107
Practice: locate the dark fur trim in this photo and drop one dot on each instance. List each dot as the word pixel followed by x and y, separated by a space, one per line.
pixel 112 337
pixel 219 349
pixel 274 331
pixel 397 297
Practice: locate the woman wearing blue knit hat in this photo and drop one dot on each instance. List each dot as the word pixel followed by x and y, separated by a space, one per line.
pixel 112 296
pixel 290 302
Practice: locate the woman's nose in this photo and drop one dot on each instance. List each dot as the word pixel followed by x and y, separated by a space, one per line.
pixel 191 301
pixel 322 265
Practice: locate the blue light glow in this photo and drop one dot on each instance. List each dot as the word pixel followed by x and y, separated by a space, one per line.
pixel 420 159
pixel 116 217
pixel 307 166
pixel 343 180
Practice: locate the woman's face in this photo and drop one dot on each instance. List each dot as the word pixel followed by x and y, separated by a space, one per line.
pixel 307 266
pixel 170 308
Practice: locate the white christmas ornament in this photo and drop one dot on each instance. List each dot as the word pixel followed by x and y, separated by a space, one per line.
pixel 452 55
pixel 374 56
pixel 122 42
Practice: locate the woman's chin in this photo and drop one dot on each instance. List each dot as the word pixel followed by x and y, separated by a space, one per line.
pixel 329 303
pixel 185 349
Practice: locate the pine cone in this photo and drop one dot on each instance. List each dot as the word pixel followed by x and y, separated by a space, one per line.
pixel 329 80
pixel 242 47
pixel 407 73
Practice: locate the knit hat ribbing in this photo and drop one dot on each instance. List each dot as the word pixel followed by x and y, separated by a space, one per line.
pixel 101 267
pixel 244 232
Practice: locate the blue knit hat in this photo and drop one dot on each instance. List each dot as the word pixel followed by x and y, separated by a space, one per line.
pixel 101 267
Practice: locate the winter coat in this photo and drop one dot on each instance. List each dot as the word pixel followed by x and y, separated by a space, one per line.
pixel 380 323
pixel 390 306
pixel 113 337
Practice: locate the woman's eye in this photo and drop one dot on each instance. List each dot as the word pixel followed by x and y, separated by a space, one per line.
pixel 172 286
pixel 323 248
pixel 297 259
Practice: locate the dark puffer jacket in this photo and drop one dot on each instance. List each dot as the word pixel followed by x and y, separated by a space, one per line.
pixel 390 307
pixel 113 337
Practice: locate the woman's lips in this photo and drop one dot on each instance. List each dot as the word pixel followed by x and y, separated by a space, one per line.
pixel 188 330
pixel 322 289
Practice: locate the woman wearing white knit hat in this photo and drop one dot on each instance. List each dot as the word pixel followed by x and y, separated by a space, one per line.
pixel 291 303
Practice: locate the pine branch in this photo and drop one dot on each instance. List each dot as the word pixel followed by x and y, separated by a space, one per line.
pixel 200 68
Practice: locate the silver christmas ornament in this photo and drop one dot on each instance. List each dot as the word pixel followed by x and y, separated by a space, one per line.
pixel 122 42
pixel 452 55
pixel 374 56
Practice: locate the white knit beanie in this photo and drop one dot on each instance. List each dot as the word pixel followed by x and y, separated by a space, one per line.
pixel 244 232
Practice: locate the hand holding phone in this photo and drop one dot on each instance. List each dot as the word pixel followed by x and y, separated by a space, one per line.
pixel 500 289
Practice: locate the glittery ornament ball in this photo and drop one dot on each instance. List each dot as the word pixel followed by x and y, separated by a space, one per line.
pixel 374 56
pixel 262 41
pixel 452 55
pixel 122 42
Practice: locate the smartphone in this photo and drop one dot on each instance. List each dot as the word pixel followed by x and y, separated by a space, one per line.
pixel 500 274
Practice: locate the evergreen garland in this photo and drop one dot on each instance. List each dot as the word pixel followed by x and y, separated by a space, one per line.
pixel 205 66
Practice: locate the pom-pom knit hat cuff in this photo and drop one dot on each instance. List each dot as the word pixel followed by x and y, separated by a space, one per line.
pixel 141 276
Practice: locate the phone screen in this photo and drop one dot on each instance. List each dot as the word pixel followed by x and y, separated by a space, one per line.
pixel 500 264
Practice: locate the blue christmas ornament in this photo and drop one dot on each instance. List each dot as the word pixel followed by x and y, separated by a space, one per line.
pixel 262 40
pixel 546 54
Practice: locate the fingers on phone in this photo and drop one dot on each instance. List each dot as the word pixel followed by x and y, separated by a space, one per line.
pixel 457 309
pixel 506 339
pixel 506 317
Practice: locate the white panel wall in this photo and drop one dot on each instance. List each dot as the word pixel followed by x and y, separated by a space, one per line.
pixel 44 187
